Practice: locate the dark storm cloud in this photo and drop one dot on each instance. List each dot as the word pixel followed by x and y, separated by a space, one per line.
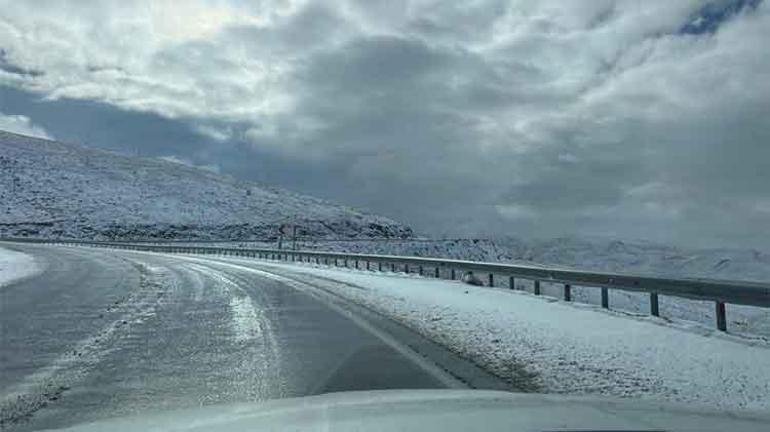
pixel 389 116
pixel 10 68
pixel 602 117
pixel 106 126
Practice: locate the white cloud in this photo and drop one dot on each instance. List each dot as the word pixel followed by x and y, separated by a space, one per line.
pixel 21 125
pixel 581 112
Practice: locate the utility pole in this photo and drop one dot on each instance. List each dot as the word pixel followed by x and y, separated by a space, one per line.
pixel 280 236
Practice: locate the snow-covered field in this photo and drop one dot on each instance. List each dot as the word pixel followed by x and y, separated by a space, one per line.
pixel 566 347
pixel 16 265
pixel 588 254
pixel 53 189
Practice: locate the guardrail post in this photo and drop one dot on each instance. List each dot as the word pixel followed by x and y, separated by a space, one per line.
pixel 605 298
pixel 567 292
pixel 393 267
pixel 356 264
pixel 537 287
pixel 406 268
pixel 512 282
pixel 721 316
pixel 491 280
pixel 379 266
pixel 654 311
pixel 452 274
pixel 367 265
pixel 437 273
pixel 420 270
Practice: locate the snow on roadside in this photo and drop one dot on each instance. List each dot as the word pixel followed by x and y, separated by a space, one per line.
pixel 570 348
pixel 16 265
pixel 639 258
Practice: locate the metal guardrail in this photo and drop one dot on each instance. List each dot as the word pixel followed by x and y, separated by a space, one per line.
pixel 720 292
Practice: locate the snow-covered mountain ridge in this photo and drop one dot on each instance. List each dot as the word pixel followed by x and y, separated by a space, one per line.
pixel 53 189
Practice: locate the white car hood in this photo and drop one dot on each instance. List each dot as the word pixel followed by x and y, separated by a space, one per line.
pixel 438 410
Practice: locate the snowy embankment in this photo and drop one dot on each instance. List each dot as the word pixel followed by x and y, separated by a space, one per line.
pixel 594 255
pixel 15 266
pixel 567 347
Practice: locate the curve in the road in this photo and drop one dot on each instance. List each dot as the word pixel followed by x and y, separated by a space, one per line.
pixel 105 333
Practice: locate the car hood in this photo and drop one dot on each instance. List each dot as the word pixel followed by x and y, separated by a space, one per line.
pixel 438 410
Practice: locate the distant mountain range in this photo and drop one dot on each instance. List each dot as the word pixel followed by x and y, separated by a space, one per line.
pixel 54 189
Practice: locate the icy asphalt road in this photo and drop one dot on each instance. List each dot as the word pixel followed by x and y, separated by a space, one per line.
pixel 104 333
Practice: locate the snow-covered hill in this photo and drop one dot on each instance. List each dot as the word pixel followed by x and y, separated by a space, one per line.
pixel 53 189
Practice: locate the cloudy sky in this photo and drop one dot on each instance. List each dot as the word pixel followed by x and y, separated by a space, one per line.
pixel 640 119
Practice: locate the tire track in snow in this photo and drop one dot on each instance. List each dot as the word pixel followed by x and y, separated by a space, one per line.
pixel 322 296
pixel 251 328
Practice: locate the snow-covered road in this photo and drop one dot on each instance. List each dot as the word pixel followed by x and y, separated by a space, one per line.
pixel 103 333
pixel 565 347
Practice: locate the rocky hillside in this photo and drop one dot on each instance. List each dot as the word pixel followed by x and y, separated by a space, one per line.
pixel 53 189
